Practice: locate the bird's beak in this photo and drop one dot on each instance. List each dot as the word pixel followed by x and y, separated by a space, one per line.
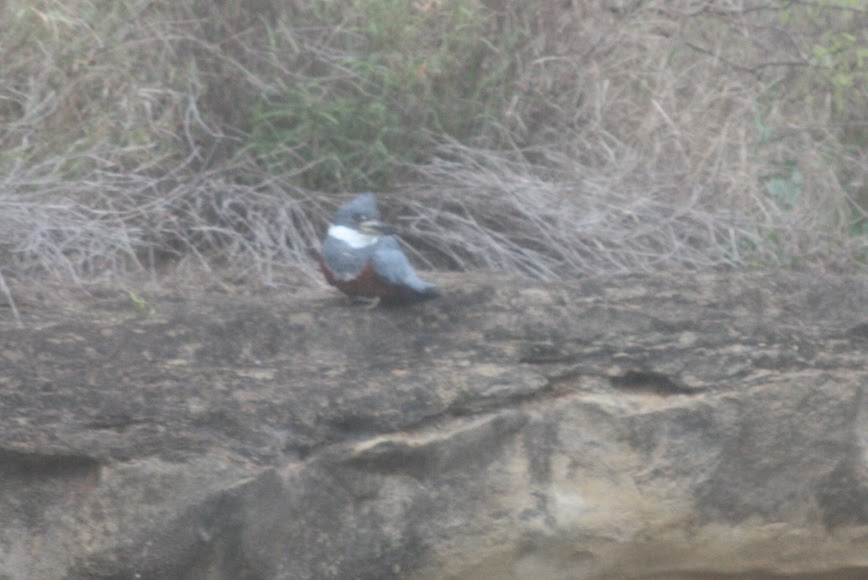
pixel 376 228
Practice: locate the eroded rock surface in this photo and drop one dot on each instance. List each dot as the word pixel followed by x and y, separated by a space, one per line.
pixel 711 426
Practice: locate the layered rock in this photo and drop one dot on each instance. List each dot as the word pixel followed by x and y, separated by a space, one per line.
pixel 637 427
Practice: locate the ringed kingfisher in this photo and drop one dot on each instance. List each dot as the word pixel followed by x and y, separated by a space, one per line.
pixel 362 257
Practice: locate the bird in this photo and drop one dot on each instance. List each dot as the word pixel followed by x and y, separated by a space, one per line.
pixel 362 258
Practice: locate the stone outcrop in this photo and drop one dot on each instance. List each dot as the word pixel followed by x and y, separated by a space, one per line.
pixel 703 426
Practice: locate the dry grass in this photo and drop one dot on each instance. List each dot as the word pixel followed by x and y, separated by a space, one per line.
pixel 103 228
pixel 489 211
pixel 604 137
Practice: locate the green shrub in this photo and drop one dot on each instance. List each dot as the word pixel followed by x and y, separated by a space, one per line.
pixel 367 99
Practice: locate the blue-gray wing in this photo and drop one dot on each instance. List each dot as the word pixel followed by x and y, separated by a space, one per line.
pixel 390 262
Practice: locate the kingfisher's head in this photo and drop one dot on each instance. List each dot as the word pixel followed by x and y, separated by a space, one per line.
pixel 358 222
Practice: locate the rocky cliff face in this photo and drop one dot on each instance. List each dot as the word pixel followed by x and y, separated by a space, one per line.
pixel 710 426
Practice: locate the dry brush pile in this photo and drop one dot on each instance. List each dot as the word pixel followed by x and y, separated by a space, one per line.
pixel 546 139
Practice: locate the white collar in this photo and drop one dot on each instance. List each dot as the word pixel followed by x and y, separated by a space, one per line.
pixel 353 238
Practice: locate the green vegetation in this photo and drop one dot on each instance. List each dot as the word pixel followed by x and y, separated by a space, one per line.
pixel 545 139
pixel 142 305
pixel 395 76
